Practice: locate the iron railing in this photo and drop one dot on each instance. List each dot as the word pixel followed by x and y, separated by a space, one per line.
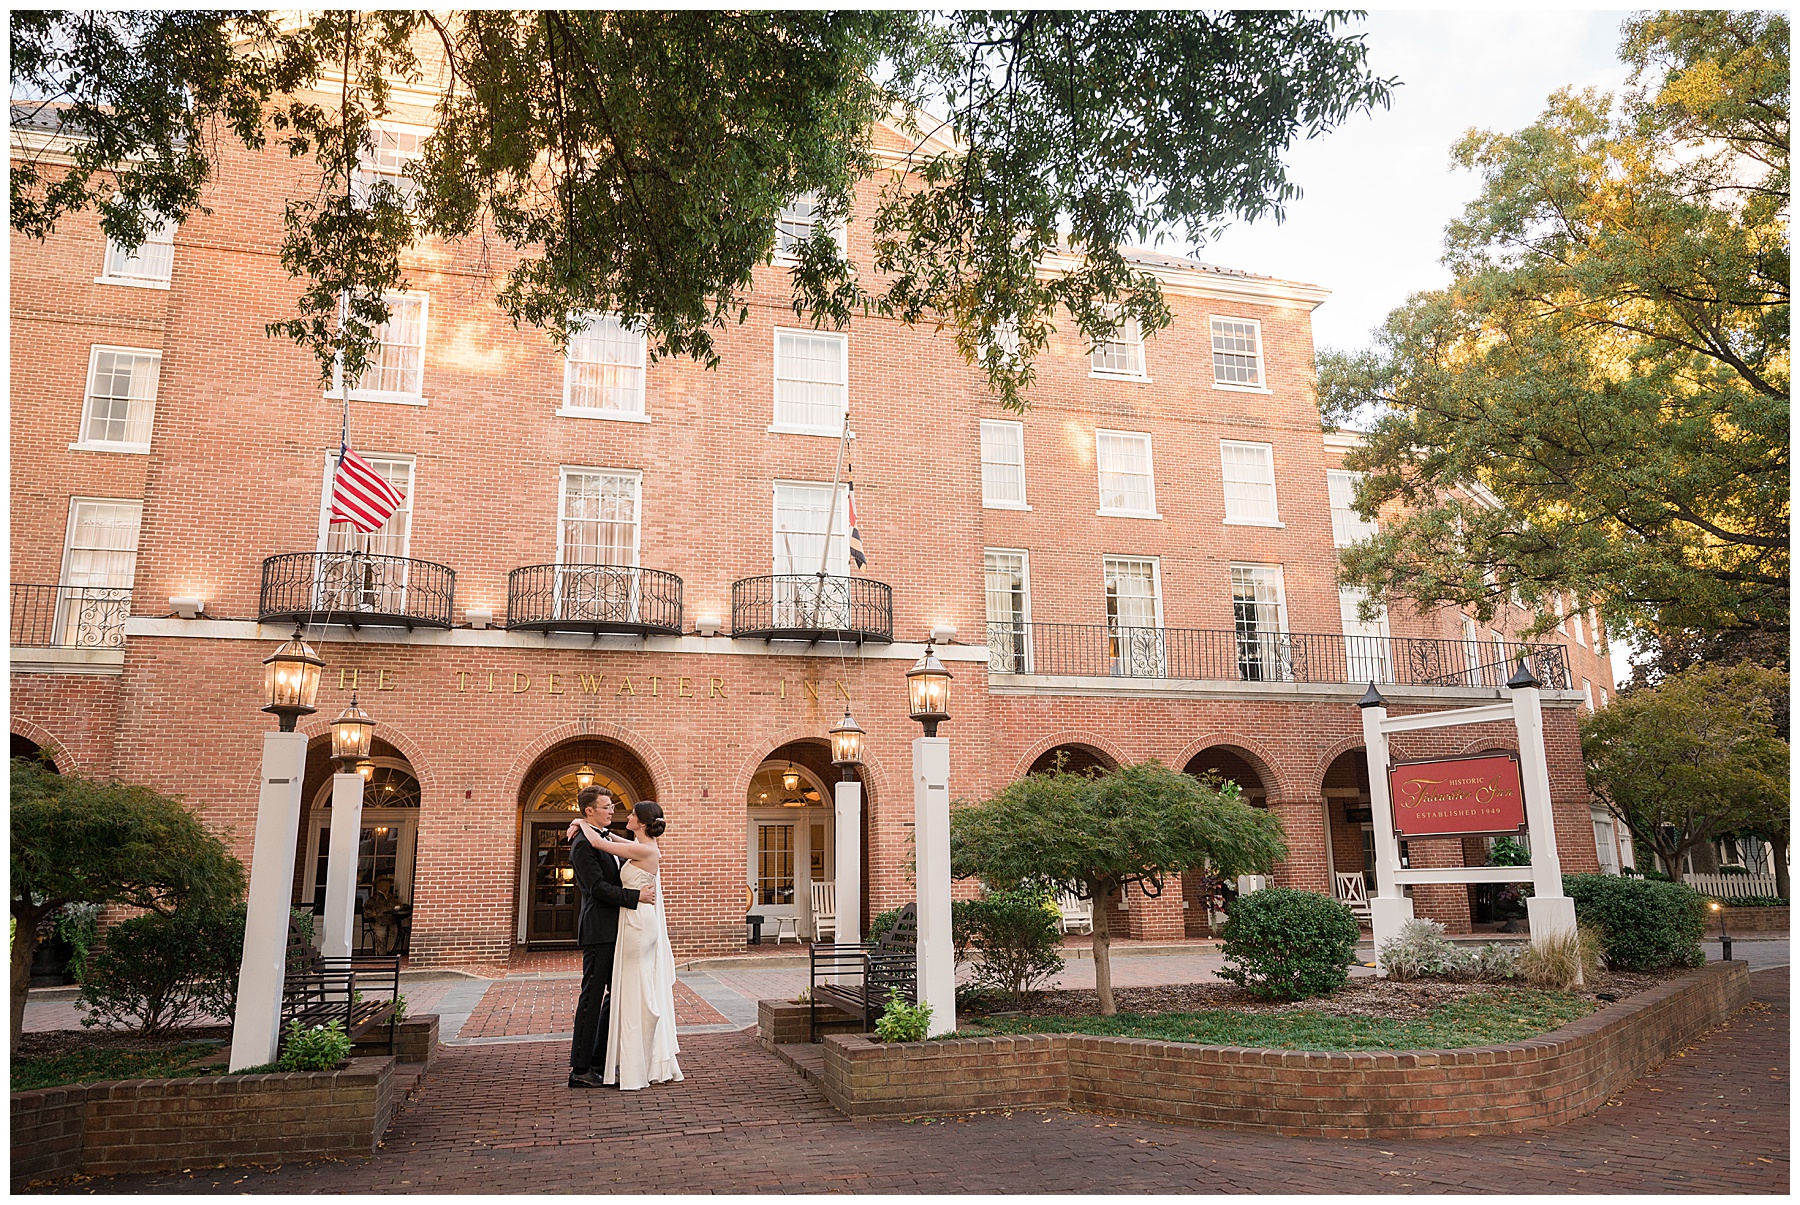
pixel 76 617
pixel 593 598
pixel 812 606
pixel 1192 654
pixel 357 589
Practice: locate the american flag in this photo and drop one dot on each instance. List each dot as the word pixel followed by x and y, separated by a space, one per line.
pixel 360 495
pixel 856 548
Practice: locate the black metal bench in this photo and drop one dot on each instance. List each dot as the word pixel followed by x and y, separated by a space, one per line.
pixel 857 977
pixel 361 991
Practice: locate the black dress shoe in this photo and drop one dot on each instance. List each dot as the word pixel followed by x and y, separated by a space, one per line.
pixel 585 1079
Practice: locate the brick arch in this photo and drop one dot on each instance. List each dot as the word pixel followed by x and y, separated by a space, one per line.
pixel 1098 744
pixel 318 728
pixel 661 780
pixel 1482 746
pixel 1331 754
pixel 874 778
pixel 1253 751
pixel 61 753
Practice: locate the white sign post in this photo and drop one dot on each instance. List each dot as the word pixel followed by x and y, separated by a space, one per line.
pixel 848 874
pixel 931 860
pixel 1549 911
pixel 256 1028
pixel 340 874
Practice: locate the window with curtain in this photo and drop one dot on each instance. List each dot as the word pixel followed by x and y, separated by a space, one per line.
pixel 811 389
pixel 604 369
pixel 1249 470
pixel 1003 464
pixel 1008 610
pixel 599 524
pixel 1259 614
pixel 1237 353
pixel 1127 482
pixel 121 398
pixel 397 369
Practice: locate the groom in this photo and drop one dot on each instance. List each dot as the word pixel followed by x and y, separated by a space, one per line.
pixel 597 872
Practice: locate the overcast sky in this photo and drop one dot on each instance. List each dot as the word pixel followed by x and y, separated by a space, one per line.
pixel 1380 190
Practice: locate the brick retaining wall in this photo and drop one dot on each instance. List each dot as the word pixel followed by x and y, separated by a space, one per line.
pixel 1562 1075
pixel 415 1040
pixel 1750 920
pixel 125 1126
pixel 782 1022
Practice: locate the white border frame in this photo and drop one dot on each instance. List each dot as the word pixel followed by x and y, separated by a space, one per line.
pixel 1355 477
pixel 1262 358
pixel 568 410
pixel 1274 489
pixel 325 494
pixel 1149 455
pixel 1155 580
pixel 386 397
pixel 840 234
pixel 1102 374
pixel 75 500
pixel 841 517
pixel 1024 502
pixel 776 426
pixel 562 498
pixel 82 443
pixel 1281 607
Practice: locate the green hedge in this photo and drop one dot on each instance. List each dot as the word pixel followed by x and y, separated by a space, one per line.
pixel 1644 925
pixel 1288 944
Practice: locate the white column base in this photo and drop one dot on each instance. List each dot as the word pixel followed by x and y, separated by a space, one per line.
pixel 340 869
pixel 256 1027
pixel 1387 913
pixel 1550 917
pixel 847 874
pixel 931 852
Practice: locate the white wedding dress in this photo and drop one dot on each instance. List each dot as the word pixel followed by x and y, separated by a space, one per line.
pixel 640 1042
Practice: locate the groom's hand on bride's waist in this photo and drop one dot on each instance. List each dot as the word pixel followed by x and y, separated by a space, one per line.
pixel 647 894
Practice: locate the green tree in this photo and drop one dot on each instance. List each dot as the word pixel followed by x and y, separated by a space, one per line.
pixel 78 840
pixel 1692 759
pixel 1097 834
pixel 636 161
pixel 1598 403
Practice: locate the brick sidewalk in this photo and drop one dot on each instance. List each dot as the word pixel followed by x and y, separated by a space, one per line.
pixel 517 1008
pixel 1714 1119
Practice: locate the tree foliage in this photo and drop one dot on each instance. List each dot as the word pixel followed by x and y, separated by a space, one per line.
pixel 1095 835
pixel 1693 759
pixel 79 840
pixel 1598 403
pixel 636 161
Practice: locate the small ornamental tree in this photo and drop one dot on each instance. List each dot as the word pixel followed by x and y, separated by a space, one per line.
pixel 78 840
pixel 1095 834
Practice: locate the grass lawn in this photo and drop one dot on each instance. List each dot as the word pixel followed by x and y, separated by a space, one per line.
pixel 1504 1015
pixel 89 1066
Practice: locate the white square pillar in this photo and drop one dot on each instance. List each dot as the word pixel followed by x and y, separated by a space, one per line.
pixel 931 855
pixel 340 870
pixel 848 875
pixel 256 1028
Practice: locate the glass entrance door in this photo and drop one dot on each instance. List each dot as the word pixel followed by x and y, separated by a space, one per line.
pixel 555 905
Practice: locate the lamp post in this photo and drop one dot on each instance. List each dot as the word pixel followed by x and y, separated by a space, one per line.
pixel 928 699
pixel 352 743
pixel 291 684
pixel 846 755
pixel 1724 937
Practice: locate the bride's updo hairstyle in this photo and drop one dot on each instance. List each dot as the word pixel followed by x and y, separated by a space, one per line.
pixel 651 817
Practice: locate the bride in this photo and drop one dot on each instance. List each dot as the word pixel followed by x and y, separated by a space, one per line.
pixel 640 1043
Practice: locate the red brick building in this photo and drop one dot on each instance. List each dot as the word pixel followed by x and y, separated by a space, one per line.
pixel 609 564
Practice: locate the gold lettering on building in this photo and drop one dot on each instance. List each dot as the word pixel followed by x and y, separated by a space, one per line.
pixel 553 689
pixel 518 689
pixel 381 682
pixel 717 688
pixel 490 681
pixel 784 688
pixel 626 688
pixel 352 673
pixel 590 683
pixel 654 679
pixel 812 688
pixel 684 687
pixel 842 689
pixel 462 679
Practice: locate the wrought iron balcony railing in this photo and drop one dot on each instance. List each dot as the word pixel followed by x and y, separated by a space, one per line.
pixel 593 598
pixel 357 589
pixel 1191 654
pixel 70 617
pixel 812 606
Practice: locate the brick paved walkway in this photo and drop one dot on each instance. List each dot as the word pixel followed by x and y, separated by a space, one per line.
pixel 517 1008
pixel 496 1118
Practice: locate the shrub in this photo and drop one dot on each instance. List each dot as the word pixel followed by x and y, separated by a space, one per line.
pixel 902 1022
pixel 1288 944
pixel 79 925
pixel 1754 901
pixel 1642 925
pixel 1552 963
pixel 882 923
pixel 157 972
pixel 1018 938
pixel 314 1048
pixel 1495 963
pixel 1420 951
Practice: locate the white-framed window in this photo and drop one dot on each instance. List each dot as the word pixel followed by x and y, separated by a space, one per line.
pixel 802 519
pixel 1127 477
pixel 1003 464
pixel 1575 628
pixel 1500 669
pixel 1008 575
pixel 1347 527
pixel 1249 470
pixel 1556 603
pixel 120 405
pixel 1122 355
pixel 1603 845
pixel 1603 696
pixel 392 538
pixel 1368 655
pixel 1134 616
pixel 598 519
pixel 149 267
pixel 603 370
pixel 1472 651
pixel 98 568
pixel 396 371
pixel 795 225
pixel 391 150
pixel 811 382
pixel 1587 689
pixel 1259 616
pixel 1237 354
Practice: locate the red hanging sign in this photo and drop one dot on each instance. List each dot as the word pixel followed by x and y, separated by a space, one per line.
pixel 1475 796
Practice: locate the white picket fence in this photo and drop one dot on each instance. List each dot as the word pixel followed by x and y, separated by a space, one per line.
pixel 1731 886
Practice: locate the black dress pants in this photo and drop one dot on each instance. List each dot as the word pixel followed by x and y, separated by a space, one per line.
pixel 594 1010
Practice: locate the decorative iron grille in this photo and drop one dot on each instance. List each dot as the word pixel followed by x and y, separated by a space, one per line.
pixel 356 588
pixel 77 617
pixel 593 598
pixel 1192 654
pixel 812 606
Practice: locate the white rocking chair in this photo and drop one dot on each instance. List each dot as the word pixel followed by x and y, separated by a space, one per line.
pixel 1353 892
pixel 1076 913
pixel 824 911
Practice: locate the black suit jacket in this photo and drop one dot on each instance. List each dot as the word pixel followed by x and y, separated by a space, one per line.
pixel 601 895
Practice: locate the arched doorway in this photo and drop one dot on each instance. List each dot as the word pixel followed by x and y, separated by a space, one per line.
pixel 1203 894
pixel 386 850
pixel 549 902
pixel 791 836
pixel 1075 759
pixel 25 747
pixel 1349 819
pixel 1230 766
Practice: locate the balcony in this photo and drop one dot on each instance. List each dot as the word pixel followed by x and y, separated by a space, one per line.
pixel 812 607
pixel 593 598
pixel 356 589
pixel 69 617
pixel 1193 654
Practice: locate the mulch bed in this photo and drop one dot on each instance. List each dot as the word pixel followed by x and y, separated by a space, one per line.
pixel 1382 999
pixel 71 1041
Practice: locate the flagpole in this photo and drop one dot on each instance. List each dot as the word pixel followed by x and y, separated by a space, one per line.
pixel 837 475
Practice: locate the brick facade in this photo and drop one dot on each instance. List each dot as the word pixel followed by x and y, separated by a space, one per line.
pixel 238 459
